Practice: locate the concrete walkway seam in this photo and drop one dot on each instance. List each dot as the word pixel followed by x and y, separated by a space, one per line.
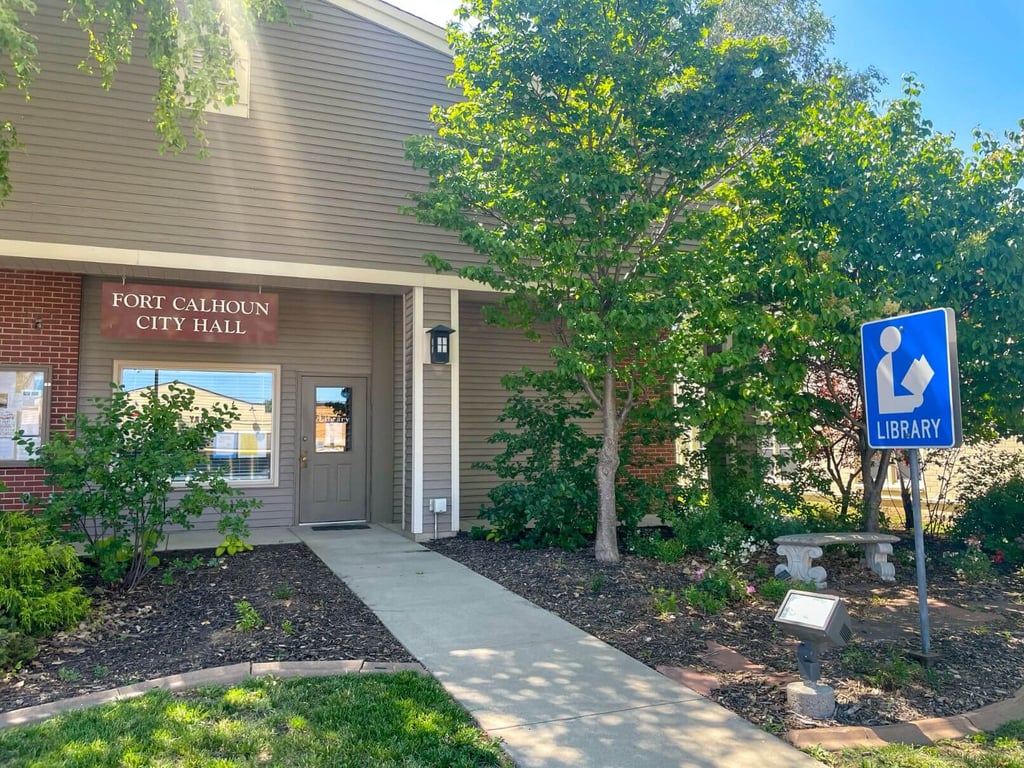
pixel 226 675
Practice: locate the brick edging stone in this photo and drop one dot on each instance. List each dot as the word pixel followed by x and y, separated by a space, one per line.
pixel 227 675
pixel 919 732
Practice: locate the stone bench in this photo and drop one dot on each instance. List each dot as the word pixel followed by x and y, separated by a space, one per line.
pixel 800 549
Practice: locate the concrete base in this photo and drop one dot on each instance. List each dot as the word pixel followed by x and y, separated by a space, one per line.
pixel 811 699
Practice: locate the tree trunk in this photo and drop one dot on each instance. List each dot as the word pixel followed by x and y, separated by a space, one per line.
pixel 873 483
pixel 606 547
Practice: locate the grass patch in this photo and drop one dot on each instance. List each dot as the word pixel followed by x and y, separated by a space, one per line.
pixel 1003 748
pixel 351 720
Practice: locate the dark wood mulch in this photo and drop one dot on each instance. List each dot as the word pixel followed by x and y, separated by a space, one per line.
pixel 160 629
pixel 978 630
pixel 191 624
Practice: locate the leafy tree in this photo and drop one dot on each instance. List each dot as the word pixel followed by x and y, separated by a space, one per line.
pixel 855 214
pixel 114 474
pixel 804 31
pixel 188 44
pixel 579 165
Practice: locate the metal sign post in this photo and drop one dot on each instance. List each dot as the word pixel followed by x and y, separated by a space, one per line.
pixel 912 401
pixel 922 580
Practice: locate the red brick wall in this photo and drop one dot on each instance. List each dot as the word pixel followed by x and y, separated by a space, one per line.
pixel 53 301
pixel 651 461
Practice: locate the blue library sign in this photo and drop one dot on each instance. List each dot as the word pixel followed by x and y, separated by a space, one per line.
pixel 911 381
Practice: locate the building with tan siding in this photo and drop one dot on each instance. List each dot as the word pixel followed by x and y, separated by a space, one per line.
pixel 279 272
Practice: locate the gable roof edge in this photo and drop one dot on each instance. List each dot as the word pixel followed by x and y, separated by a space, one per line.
pixel 397 20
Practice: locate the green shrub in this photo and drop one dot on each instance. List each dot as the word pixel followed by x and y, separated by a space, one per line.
pixel 38 593
pixel 700 527
pixel 248 618
pixel 995 516
pixel 972 565
pixel 113 475
pixel 549 493
pixel 774 589
pixel 892 673
pixel 653 546
pixel 16 647
pixel 666 602
pixel 714 589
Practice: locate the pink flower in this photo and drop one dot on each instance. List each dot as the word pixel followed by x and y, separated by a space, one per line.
pixel 751 589
pixel 699 574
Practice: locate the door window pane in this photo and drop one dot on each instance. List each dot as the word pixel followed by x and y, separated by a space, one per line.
pixel 333 419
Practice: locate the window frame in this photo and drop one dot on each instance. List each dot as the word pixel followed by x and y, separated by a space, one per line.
pixel 44 417
pixel 202 366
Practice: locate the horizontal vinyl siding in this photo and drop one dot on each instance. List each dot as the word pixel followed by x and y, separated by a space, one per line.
pixel 437 417
pixel 318 333
pixel 315 174
pixel 487 354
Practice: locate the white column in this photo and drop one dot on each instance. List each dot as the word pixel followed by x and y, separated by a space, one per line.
pixel 418 349
pixel 454 350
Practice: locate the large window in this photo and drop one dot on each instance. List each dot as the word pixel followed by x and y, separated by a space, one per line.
pixel 24 407
pixel 247 450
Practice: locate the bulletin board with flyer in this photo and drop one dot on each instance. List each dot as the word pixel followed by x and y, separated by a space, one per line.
pixel 24 408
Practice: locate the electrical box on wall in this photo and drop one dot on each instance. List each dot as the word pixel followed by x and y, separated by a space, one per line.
pixel 438 506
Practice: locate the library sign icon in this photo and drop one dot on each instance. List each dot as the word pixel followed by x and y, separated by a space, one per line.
pixel 911 381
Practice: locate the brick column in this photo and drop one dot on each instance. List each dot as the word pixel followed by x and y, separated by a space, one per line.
pixel 40 318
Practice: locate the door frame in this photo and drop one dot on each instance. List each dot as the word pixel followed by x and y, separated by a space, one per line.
pixel 296 440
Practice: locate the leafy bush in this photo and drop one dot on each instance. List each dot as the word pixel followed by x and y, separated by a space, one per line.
pixel 655 547
pixel 714 589
pixel 995 516
pixel 38 593
pixel 891 673
pixel 549 497
pixel 666 602
pixel 16 647
pixel 113 475
pixel 972 566
pixel 773 590
pixel 548 465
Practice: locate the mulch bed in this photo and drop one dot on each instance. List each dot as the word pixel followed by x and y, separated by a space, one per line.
pixel 167 628
pixel 309 614
pixel 978 630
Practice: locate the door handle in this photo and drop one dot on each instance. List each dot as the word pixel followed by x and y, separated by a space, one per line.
pixel 303 459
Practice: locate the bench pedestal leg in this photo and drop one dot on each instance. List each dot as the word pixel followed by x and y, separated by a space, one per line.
pixel 877 558
pixel 798 564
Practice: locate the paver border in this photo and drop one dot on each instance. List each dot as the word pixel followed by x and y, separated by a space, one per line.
pixel 226 675
pixel 916 732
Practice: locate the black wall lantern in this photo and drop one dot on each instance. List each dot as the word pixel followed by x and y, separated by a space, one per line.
pixel 439 343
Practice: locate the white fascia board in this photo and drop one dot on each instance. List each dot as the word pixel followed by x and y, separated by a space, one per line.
pixel 398 21
pixel 65 254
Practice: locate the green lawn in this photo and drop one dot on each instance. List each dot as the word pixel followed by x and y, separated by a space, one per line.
pixel 354 720
pixel 1004 748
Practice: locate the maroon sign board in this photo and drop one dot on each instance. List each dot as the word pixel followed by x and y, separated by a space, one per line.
pixel 175 313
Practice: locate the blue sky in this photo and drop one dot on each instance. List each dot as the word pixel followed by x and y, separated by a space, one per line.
pixel 970 56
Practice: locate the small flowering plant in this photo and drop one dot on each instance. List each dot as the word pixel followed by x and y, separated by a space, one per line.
pixel 716 587
pixel 735 551
pixel 972 565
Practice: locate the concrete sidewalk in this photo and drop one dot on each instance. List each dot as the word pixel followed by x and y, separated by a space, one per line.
pixel 555 695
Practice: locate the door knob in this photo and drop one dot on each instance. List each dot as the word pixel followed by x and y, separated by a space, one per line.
pixel 303 459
